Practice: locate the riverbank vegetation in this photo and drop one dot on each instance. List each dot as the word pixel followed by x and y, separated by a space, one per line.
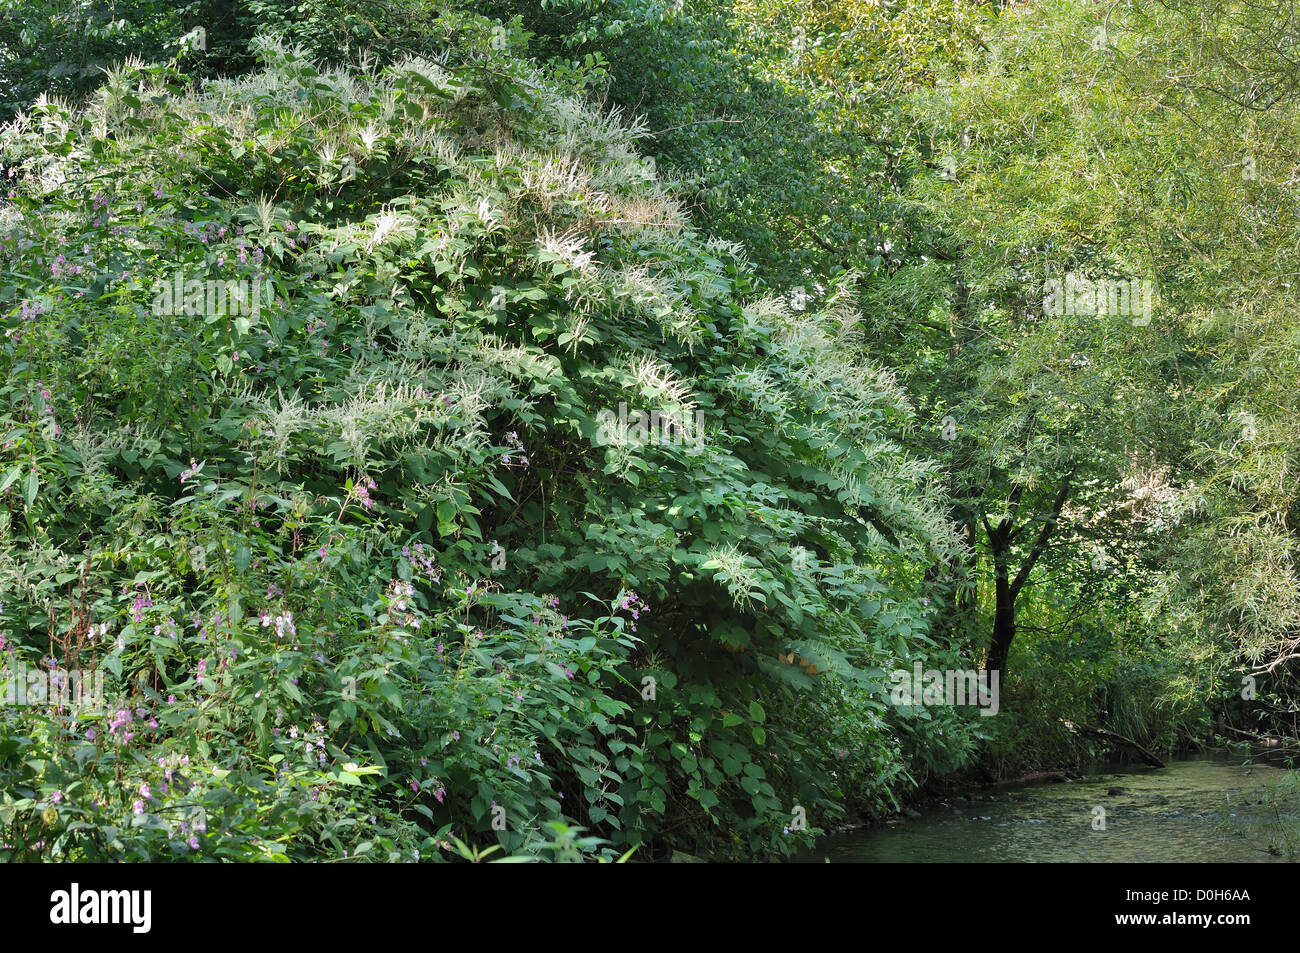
pixel 964 341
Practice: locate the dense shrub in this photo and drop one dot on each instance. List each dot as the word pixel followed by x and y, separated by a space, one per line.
pixel 366 553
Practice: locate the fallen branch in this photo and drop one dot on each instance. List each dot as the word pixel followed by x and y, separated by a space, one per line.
pixel 1112 736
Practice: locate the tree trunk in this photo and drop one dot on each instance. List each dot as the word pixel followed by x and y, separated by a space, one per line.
pixel 1006 589
pixel 1004 611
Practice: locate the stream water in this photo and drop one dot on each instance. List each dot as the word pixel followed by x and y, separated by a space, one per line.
pixel 1194 809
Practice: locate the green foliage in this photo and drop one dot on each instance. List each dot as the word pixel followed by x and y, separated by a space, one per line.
pixel 63 48
pixel 436 464
pixel 344 558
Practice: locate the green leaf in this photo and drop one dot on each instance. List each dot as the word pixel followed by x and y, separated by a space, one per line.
pixel 12 475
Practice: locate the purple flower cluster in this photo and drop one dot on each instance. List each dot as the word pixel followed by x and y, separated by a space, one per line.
pixel 362 492
pixel 142 602
pixel 316 746
pixel 122 727
pixel 421 558
pixel 399 595
pixel 284 624
pixel 437 789
pixel 60 266
pixel 636 604
pixel 519 449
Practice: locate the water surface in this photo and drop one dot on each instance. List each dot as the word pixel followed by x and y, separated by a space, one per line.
pixel 1192 810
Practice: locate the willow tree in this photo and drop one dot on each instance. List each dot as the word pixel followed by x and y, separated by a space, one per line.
pixel 1150 143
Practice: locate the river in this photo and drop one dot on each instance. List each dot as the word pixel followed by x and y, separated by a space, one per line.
pixel 1194 809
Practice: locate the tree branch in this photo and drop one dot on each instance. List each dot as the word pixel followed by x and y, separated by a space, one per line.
pixel 1044 534
pixel 807 230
